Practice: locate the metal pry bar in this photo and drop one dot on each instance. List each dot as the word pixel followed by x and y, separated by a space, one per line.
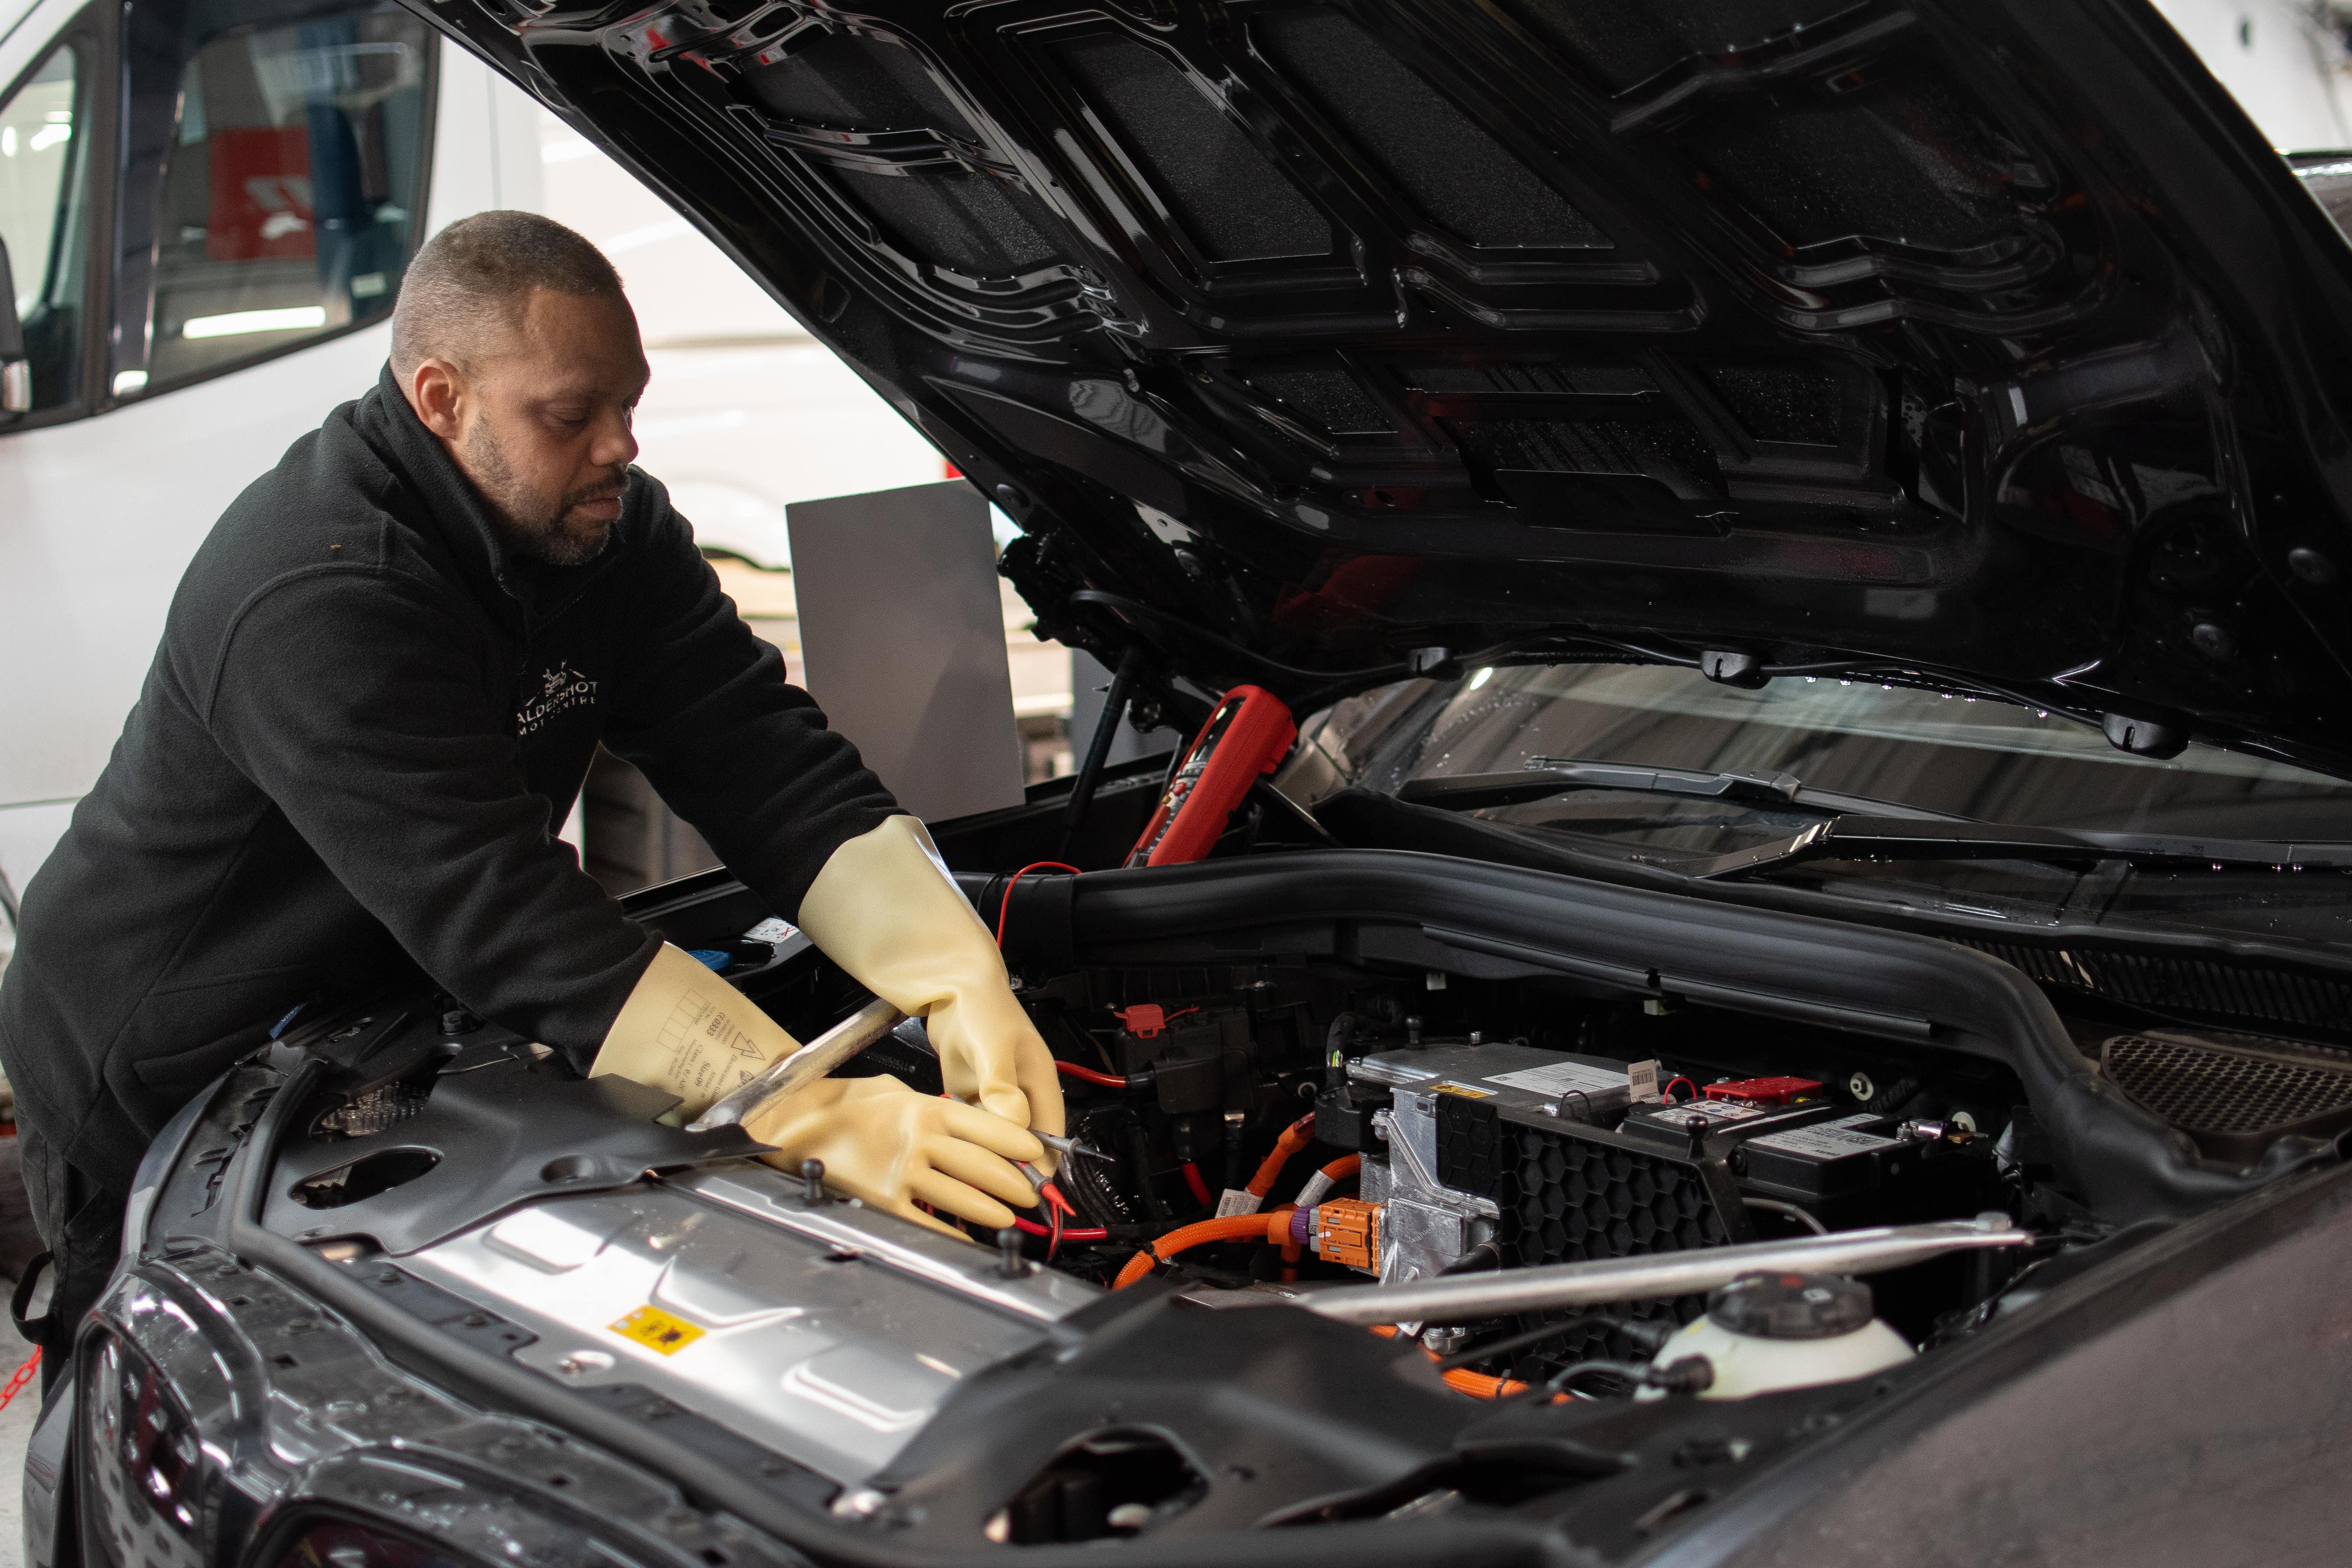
pixel 1462 1298
pixel 803 1068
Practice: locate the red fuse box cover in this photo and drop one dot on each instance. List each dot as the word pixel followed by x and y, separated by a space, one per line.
pixel 1763 1090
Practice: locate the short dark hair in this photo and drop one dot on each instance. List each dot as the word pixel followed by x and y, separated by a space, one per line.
pixel 471 281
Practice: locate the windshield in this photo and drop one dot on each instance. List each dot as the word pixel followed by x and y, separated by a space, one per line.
pixel 1854 746
pixel 1956 756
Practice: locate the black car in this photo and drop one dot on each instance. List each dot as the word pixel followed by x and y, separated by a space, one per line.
pixel 1806 545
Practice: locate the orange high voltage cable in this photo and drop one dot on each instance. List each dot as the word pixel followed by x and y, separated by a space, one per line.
pixel 1274 1226
pixel 1295 1137
pixel 1462 1380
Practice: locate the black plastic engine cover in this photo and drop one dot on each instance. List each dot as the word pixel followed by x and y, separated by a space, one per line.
pixel 497 1136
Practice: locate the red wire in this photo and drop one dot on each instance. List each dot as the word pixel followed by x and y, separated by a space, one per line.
pixel 1089 1075
pixel 1069 1232
pixel 1006 907
pixel 1667 1093
pixel 1200 1188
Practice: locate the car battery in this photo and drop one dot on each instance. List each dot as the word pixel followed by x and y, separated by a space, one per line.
pixel 1861 1168
pixel 1704 1128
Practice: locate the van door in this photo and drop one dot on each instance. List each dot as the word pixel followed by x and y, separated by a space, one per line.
pixel 209 208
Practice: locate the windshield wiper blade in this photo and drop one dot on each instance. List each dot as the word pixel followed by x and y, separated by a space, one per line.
pixel 1555 775
pixel 1854 836
pixel 1901 839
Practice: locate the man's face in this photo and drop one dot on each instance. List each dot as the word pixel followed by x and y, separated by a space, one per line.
pixel 540 421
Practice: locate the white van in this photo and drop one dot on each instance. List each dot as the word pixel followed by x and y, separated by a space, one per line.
pixel 206 207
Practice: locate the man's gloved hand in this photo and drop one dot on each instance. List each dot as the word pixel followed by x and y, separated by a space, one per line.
pixel 888 1145
pixel 686 1030
pixel 886 910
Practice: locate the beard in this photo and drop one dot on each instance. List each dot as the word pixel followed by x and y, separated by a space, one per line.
pixel 531 521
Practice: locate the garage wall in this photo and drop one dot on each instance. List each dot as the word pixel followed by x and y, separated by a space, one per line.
pixel 2284 62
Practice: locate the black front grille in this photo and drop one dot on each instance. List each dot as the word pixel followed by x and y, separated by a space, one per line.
pixel 2248 993
pixel 2234 1096
pixel 1568 1196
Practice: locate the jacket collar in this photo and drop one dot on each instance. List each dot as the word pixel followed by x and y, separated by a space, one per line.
pixel 456 513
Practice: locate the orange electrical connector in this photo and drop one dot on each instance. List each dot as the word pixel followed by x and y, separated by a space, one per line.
pixel 1348 1232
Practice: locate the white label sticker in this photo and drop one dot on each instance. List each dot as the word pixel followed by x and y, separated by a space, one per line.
pixel 1709 1111
pixel 771 930
pixel 1827 1141
pixel 1235 1201
pixel 1558 1077
pixel 1642 1080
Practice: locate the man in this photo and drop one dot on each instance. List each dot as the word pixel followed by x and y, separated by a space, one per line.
pixel 378 692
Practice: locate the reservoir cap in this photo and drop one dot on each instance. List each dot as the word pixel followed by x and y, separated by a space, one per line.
pixel 1784 1305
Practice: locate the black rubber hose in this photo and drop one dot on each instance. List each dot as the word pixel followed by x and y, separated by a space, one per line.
pixel 1237 1168
pixel 1534 1336
pixel 1479 1259
pixel 1692 1374
pixel 1893 1096
pixel 1098 1201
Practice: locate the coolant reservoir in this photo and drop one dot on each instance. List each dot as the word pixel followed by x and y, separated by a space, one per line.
pixel 1763 1332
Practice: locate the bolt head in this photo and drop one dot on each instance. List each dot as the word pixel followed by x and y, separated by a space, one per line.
pixel 2212 640
pixel 2312 566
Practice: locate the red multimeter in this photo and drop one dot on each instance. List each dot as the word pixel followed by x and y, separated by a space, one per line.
pixel 1247 737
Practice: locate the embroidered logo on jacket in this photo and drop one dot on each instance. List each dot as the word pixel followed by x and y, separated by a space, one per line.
pixel 561 689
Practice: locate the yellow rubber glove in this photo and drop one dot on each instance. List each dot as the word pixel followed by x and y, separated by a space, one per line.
pixel 686 1031
pixel 885 910
pixel 888 1145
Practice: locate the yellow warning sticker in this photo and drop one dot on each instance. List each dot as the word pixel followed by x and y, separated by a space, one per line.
pixel 656 1329
pixel 1466 1091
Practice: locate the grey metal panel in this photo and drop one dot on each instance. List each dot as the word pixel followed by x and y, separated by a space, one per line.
pixel 830 1335
pixel 902 642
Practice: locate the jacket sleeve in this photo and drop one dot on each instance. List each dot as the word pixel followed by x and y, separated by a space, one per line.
pixel 356 704
pixel 703 708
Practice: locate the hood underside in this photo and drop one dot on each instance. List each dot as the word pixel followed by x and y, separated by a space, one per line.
pixel 1987 340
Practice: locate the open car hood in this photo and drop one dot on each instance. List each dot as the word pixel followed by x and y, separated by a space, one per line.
pixel 1330 341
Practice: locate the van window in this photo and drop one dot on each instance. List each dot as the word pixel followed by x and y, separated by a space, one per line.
pixel 45 218
pixel 292 192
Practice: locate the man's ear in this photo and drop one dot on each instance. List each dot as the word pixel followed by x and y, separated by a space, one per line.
pixel 437 391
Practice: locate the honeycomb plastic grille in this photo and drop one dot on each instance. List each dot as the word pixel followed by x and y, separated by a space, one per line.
pixel 2275 997
pixel 2200 1089
pixel 1575 1200
pixel 1566 1199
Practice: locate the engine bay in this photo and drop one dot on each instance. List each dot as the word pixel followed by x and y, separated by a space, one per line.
pixel 1304 1093
pixel 1440 1125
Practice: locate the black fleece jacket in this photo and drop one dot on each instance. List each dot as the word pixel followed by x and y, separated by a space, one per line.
pixel 362 730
